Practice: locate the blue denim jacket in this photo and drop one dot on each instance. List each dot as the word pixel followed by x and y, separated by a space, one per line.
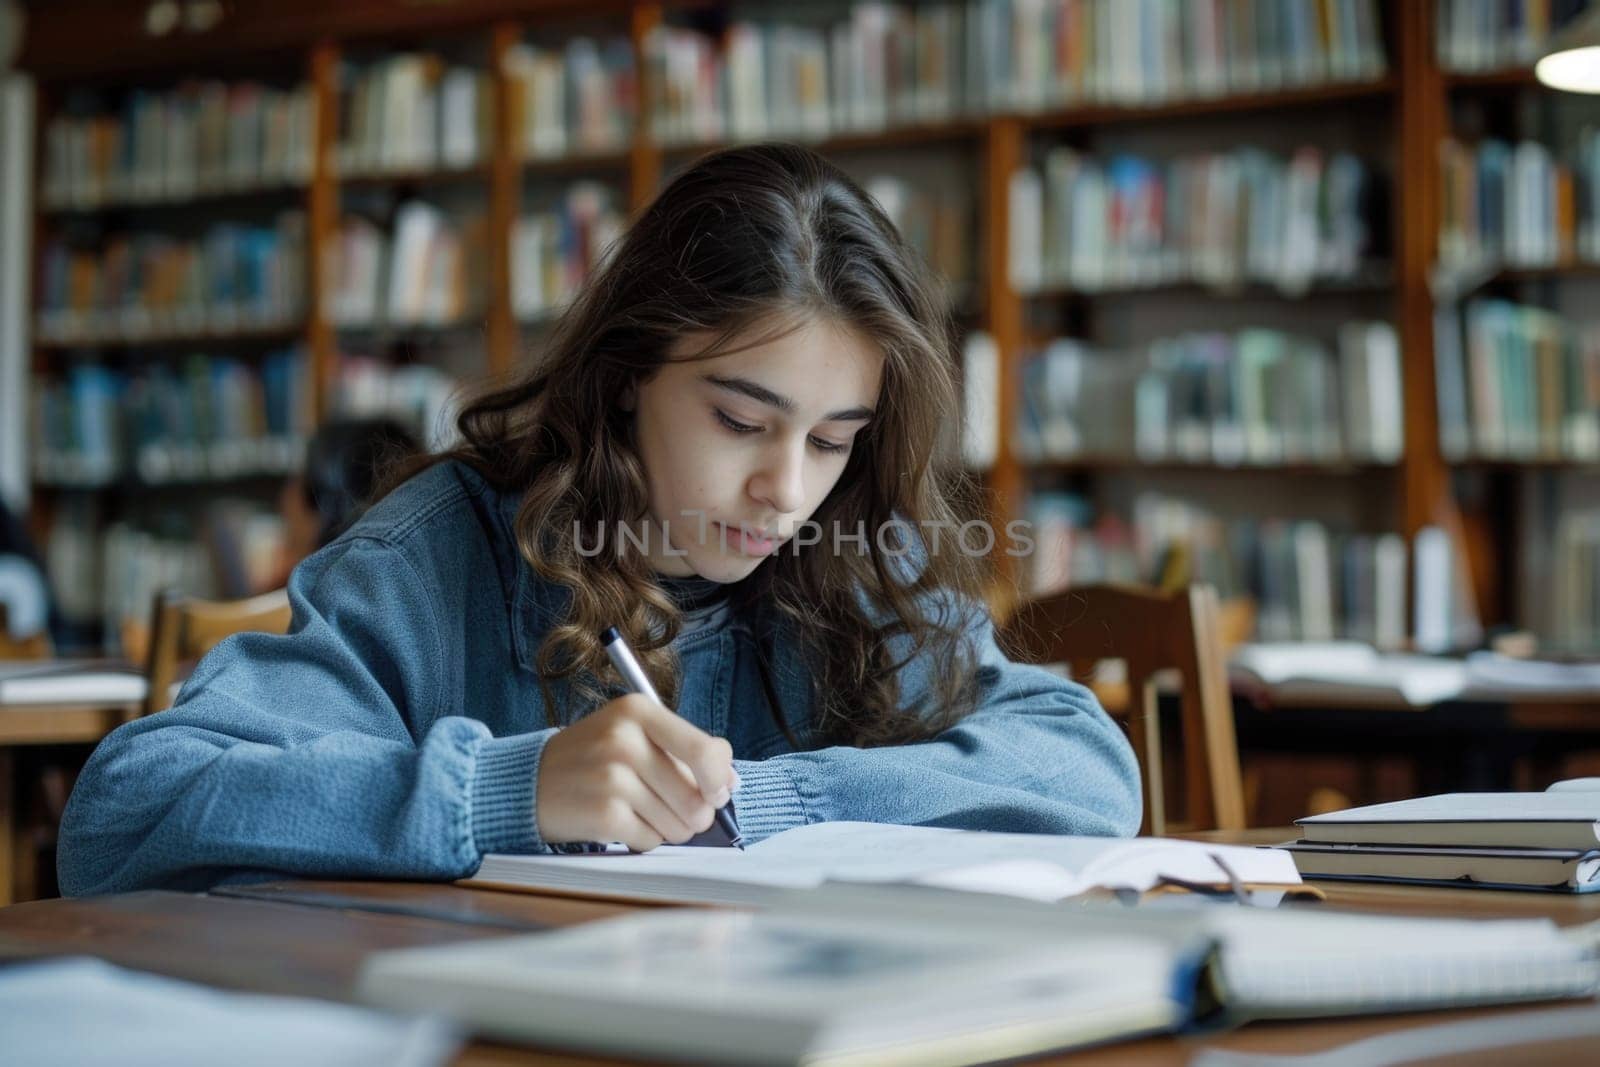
pixel 395 732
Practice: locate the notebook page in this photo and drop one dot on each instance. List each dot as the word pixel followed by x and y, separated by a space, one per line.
pixel 1040 866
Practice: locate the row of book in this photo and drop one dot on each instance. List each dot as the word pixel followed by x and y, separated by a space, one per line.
pixel 938 222
pixel 429 269
pixel 206 419
pixel 1218 219
pixel 554 252
pixel 1574 595
pixel 1308 580
pixel 423 398
pixel 878 66
pixel 412 112
pixel 1516 382
pixel 1255 397
pixel 199 139
pixel 1033 53
pixel 1481 35
pixel 111 573
pixel 890 64
pixel 234 277
pixel 1518 205
pixel 580 99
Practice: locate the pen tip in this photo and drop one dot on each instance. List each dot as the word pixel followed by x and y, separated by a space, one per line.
pixel 608 635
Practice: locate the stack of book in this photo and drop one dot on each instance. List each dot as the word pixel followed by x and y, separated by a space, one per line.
pixel 1258 397
pixel 580 99
pixel 554 252
pixel 1548 841
pixel 1483 35
pixel 412 112
pixel 1220 219
pixel 1516 382
pixel 1518 205
pixel 429 271
pixel 199 139
pixel 152 285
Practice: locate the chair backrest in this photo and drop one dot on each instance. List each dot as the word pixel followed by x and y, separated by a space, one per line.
pixel 34 647
pixel 1150 631
pixel 182 629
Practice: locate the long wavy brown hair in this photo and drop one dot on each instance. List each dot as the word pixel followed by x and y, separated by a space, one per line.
pixel 745 242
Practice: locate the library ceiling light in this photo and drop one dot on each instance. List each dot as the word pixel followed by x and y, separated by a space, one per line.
pixel 1573 62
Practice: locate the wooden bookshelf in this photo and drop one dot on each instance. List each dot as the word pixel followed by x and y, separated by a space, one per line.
pixel 106 41
pixel 1375 90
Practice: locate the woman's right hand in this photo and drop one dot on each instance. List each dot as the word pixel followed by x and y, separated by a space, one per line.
pixel 632 771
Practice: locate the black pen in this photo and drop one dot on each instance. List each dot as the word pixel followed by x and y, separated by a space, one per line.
pixel 622 659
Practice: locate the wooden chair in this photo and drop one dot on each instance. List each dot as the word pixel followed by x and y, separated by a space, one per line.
pixel 182 629
pixel 1151 631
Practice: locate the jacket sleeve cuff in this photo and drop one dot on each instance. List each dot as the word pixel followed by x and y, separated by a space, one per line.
pixel 505 782
pixel 767 801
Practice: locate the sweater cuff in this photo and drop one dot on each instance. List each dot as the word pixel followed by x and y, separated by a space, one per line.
pixel 766 801
pixel 505 782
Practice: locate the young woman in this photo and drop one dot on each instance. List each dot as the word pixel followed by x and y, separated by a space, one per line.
pixel 727 452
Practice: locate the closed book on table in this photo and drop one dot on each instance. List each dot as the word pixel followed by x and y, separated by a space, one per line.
pixel 1558 870
pixel 1558 819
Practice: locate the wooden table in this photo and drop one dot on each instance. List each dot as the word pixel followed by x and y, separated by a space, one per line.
pixel 309 938
pixel 41 724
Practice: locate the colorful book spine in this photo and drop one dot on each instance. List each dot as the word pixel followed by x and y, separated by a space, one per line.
pixel 151 285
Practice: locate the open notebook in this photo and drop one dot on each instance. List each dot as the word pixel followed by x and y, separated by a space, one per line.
pixel 1036 866
pixel 895 974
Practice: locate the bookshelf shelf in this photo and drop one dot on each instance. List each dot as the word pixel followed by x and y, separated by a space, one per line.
pixel 592 163
pixel 205 198
pixel 1378 282
pixel 1528 463
pixel 131 486
pixel 1510 78
pixel 380 333
pixel 1275 100
pixel 286 333
pixel 936 133
pixel 1126 464
pixel 437 176
pixel 1557 272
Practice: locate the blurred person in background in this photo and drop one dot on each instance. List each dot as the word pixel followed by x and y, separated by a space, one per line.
pixel 346 460
pixel 25 606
